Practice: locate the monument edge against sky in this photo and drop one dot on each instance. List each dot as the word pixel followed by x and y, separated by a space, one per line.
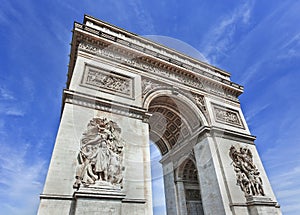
pixel 123 89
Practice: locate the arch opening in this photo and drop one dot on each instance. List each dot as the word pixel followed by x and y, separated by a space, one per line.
pixel 172 123
pixel 188 175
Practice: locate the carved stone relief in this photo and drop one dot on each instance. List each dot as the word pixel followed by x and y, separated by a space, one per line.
pixel 101 79
pixel 137 44
pixel 227 116
pixel 247 175
pixel 100 159
pixel 148 85
pixel 200 102
pixel 139 62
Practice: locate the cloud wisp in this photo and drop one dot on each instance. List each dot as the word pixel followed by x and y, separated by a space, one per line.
pixel 20 182
pixel 220 38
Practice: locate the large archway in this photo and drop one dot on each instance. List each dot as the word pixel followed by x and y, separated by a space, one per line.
pixel 172 125
pixel 123 89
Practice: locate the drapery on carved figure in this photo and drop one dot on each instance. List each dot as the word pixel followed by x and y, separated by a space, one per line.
pixel 101 154
pixel 247 175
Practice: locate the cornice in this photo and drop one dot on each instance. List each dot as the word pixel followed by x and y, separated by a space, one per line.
pixel 118 47
pixel 96 103
pixel 233 135
pixel 159 50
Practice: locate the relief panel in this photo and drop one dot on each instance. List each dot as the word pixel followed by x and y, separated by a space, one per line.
pixel 100 159
pixel 108 81
pixel 227 116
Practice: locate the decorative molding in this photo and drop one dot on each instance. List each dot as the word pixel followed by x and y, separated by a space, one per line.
pixel 101 29
pixel 227 116
pixel 201 104
pixel 247 175
pixel 136 201
pixel 101 105
pixel 260 201
pixel 151 66
pixel 107 81
pixel 139 62
pixel 149 85
pixel 56 196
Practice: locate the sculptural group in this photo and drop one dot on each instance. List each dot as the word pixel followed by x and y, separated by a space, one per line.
pixel 100 158
pixel 247 175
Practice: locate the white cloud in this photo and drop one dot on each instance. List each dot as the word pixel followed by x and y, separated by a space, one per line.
pixel 220 38
pixel 8 109
pixel 5 94
pixel 14 104
pixel 250 114
pixel 287 189
pixel 295 40
pixel 283 164
pixel 15 112
pixel 291 47
pixel 20 181
pixel 8 106
pixel 143 17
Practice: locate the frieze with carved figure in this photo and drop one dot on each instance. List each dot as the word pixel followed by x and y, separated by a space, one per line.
pixel 109 81
pixel 227 116
pixel 140 62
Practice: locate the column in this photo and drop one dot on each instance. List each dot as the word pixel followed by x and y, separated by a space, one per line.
pixel 170 189
pixel 181 197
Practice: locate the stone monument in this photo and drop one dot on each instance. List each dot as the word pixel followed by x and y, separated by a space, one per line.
pixel 123 90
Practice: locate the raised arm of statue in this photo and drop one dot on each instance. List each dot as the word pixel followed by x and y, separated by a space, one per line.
pixel 94 141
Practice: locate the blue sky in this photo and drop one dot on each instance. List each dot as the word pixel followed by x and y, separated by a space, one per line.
pixel 258 42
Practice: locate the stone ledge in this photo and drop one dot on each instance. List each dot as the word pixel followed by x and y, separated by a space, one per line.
pixel 260 200
pixel 141 201
pixel 56 197
pixel 99 193
pixel 96 103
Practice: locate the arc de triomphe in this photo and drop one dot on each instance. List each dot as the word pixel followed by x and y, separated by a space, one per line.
pixel 123 90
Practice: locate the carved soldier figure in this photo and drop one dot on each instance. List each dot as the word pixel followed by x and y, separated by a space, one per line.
pixel 84 172
pixel 102 160
pixel 242 180
pixel 115 170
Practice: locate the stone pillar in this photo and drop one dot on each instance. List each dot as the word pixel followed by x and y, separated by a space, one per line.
pixel 92 119
pixel 170 189
pixel 208 179
pixel 132 197
pixel 247 191
pixel 181 197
